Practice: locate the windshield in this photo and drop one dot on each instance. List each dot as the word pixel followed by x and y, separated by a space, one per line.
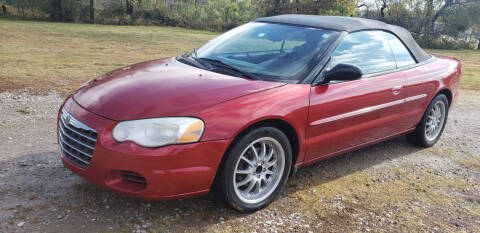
pixel 269 51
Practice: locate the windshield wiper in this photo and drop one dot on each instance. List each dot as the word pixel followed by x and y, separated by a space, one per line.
pixel 194 52
pixel 230 67
pixel 193 61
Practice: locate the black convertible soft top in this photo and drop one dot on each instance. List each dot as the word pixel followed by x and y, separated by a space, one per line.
pixel 350 24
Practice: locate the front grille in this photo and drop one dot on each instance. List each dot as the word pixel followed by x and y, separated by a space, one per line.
pixel 77 140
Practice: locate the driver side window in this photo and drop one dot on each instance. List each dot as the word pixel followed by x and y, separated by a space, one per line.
pixel 368 50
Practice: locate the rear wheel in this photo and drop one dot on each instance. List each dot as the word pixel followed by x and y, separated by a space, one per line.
pixel 255 169
pixel 431 126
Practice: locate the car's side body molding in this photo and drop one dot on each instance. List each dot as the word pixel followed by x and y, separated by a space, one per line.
pixel 352 148
pixel 367 110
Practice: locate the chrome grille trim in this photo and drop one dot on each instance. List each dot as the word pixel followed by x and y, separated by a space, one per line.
pixel 77 140
pixel 74 147
pixel 66 151
pixel 75 123
pixel 71 138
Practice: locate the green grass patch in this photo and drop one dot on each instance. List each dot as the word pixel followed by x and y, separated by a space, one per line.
pixel 62 56
pixel 396 193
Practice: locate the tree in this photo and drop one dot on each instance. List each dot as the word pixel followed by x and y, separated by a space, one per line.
pixel 56 10
pixel 129 6
pixel 318 7
pixel 92 11
pixel 431 21
pixel 383 7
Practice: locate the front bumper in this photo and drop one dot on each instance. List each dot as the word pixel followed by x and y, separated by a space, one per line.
pixel 173 171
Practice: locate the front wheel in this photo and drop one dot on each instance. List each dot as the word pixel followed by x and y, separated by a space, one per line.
pixel 255 170
pixel 431 126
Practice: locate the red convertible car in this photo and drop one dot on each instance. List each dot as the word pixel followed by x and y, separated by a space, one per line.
pixel 242 112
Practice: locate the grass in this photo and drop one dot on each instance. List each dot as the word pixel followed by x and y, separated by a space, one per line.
pixel 48 56
pixel 403 197
pixel 471 66
pixel 60 56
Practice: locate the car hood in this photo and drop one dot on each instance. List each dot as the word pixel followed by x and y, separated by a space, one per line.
pixel 162 88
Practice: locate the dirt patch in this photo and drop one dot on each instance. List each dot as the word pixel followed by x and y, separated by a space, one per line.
pixel 6 85
pixel 392 186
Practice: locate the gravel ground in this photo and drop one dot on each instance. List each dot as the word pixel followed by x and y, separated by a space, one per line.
pixel 392 186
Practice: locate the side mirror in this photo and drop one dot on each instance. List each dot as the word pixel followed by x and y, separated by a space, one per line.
pixel 343 72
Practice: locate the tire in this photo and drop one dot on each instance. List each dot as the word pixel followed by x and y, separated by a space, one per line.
pixel 237 182
pixel 427 138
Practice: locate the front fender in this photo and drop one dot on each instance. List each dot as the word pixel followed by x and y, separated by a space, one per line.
pixel 288 103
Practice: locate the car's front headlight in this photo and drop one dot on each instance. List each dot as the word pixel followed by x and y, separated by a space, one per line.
pixel 159 131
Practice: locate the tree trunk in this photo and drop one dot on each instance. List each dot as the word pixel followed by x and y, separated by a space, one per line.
pixel 478 48
pixel 447 4
pixel 56 13
pixel 4 10
pixel 276 8
pixel 382 9
pixel 92 11
pixel 428 24
pixel 129 7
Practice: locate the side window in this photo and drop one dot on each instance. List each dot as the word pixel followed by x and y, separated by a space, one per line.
pixel 401 53
pixel 369 50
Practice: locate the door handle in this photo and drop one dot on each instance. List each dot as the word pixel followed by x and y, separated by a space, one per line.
pixel 396 90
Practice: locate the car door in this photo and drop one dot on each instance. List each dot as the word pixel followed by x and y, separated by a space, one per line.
pixel 348 114
pixel 419 83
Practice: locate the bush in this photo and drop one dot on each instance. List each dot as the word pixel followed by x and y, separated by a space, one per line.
pixel 444 42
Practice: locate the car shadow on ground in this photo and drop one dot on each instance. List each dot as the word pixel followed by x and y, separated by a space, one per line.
pixel 355 161
pixel 69 203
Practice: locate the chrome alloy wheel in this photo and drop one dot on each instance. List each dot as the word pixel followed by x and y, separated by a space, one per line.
pixel 435 121
pixel 259 170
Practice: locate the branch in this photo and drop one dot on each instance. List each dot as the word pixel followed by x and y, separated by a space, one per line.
pixel 448 4
pixel 363 4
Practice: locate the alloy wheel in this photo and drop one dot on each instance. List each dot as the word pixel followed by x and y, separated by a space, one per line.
pixel 259 170
pixel 435 121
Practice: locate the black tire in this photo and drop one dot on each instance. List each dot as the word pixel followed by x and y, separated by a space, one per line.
pixel 419 137
pixel 224 183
